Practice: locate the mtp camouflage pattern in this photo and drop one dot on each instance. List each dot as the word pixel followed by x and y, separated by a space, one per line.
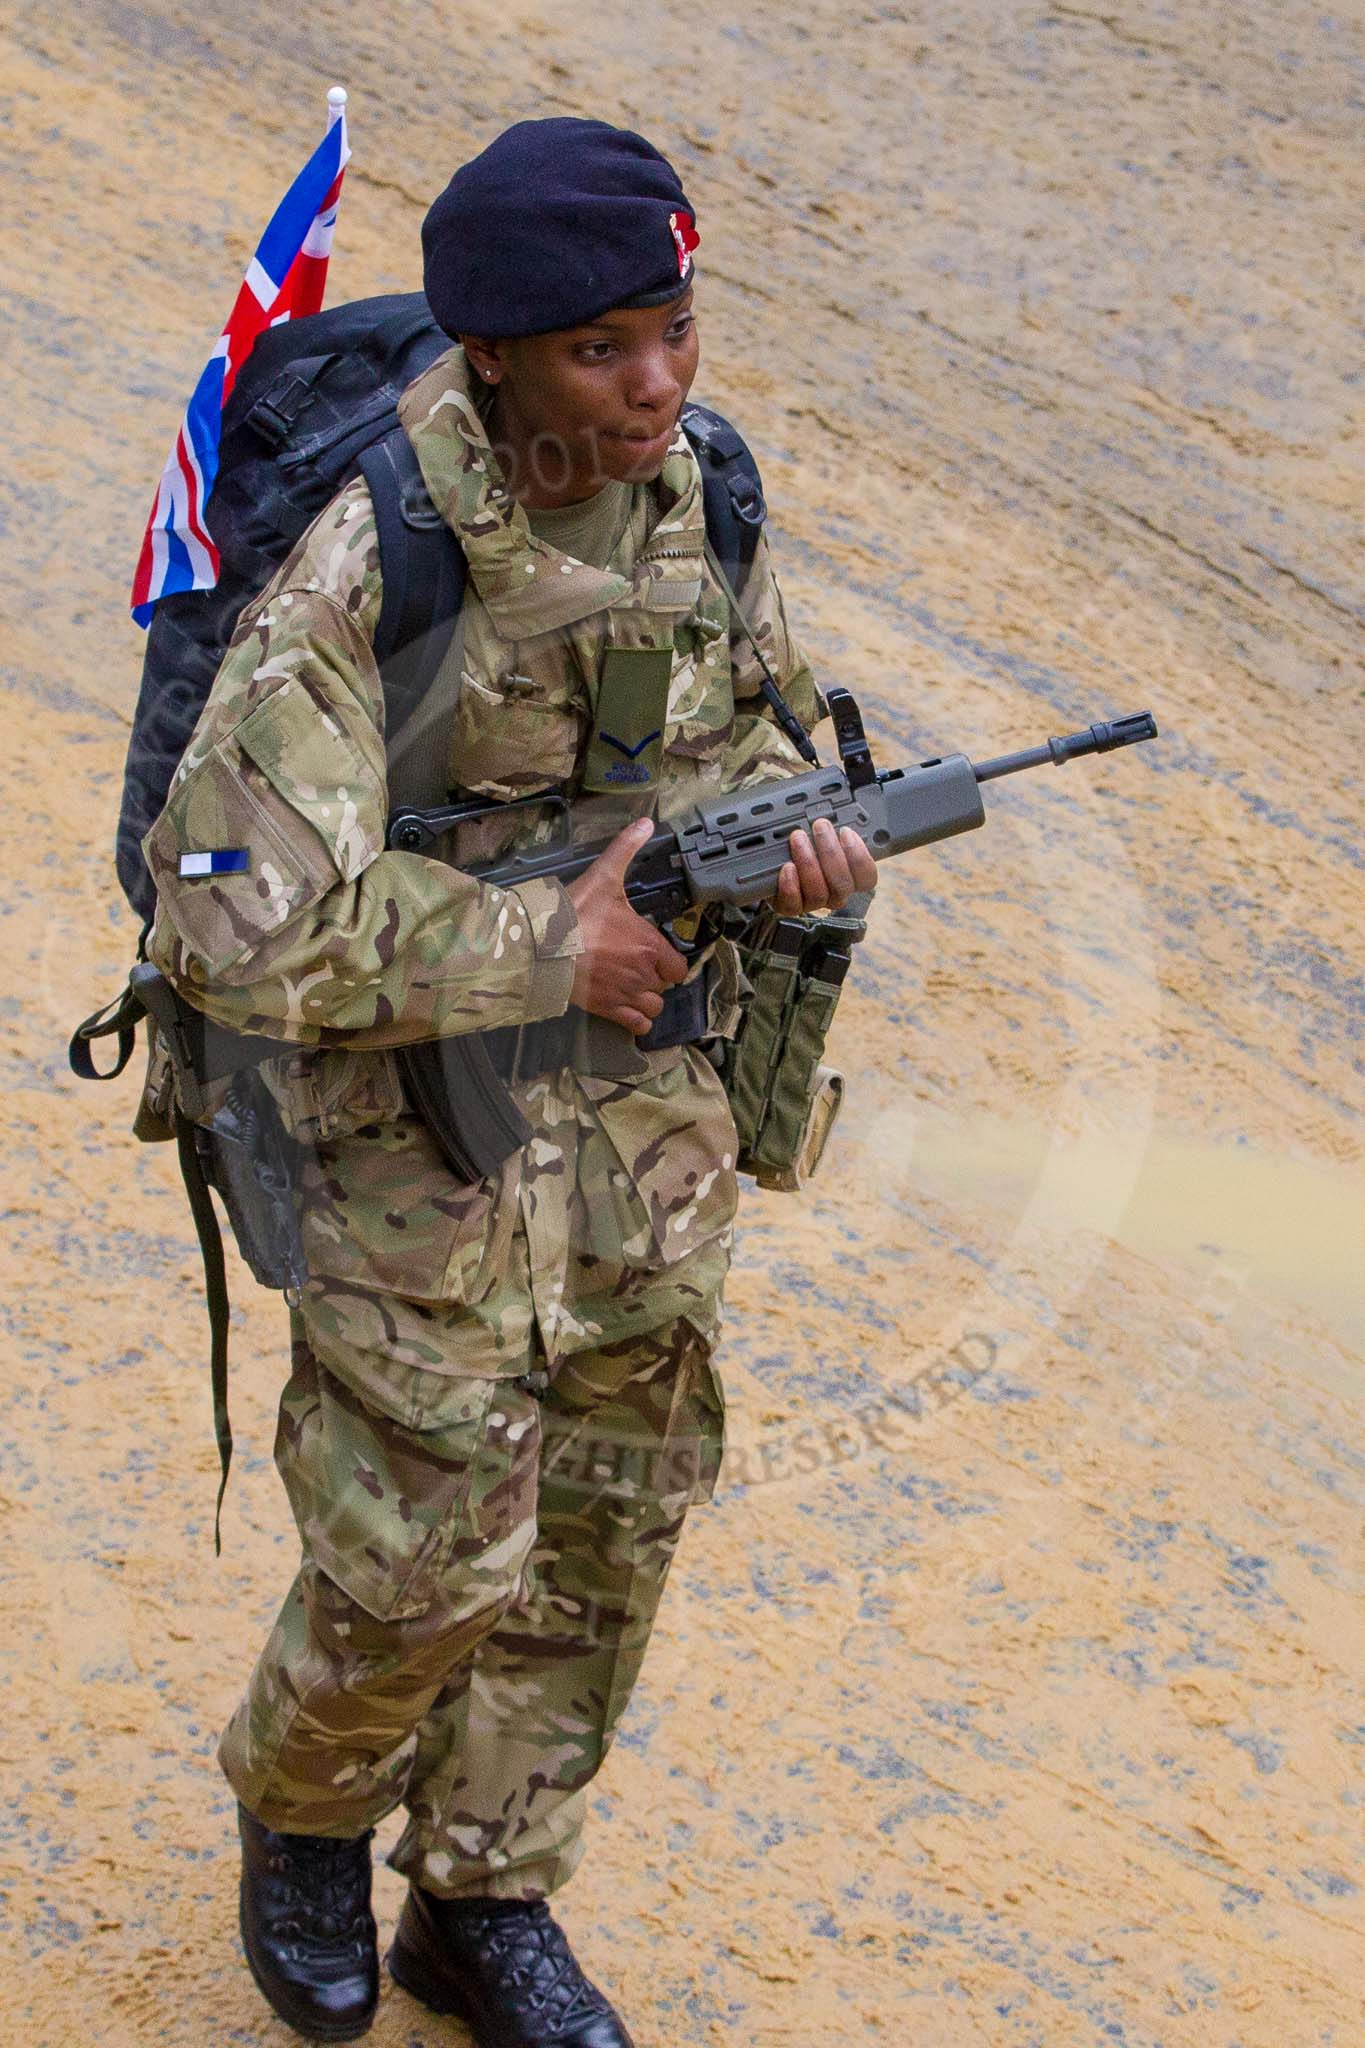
pixel 481 1570
pixel 503 1399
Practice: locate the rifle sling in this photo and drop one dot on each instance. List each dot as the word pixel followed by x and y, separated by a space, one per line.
pixel 767 683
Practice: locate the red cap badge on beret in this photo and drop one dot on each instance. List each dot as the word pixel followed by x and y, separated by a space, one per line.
pixel 686 236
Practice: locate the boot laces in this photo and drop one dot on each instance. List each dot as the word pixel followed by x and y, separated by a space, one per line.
pixel 514 1923
pixel 326 1890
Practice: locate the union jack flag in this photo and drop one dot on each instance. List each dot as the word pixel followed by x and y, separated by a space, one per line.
pixel 284 281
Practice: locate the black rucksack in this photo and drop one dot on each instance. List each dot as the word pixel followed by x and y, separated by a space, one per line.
pixel 316 405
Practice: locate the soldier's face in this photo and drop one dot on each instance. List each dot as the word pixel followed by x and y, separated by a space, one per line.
pixel 594 404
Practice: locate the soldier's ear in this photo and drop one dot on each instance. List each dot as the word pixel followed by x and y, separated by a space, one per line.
pixel 485 357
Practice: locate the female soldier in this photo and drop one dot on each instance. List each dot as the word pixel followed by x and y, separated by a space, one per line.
pixel 502 1400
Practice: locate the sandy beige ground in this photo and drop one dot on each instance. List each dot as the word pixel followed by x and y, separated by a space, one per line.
pixel 1032 1715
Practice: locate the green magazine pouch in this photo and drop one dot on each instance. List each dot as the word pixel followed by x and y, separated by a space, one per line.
pixel 772 968
pixel 783 1098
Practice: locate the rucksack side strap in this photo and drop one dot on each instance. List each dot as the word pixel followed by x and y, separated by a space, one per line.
pixel 116 1019
pixel 216 1296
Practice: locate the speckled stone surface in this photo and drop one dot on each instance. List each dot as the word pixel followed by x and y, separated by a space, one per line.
pixel 1009 1694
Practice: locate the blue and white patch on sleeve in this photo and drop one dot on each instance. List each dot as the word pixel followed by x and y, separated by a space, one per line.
pixel 232 860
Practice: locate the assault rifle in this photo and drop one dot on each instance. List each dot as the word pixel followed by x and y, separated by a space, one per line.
pixel 724 856
pixel 721 861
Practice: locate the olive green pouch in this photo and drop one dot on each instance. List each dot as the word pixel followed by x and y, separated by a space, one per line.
pixel 783 1098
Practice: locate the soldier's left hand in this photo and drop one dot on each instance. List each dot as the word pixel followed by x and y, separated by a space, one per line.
pixel 826 868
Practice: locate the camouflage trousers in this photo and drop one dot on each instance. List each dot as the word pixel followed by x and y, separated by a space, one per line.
pixel 483 1558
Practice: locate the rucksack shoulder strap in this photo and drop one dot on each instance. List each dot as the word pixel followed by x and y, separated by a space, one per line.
pixel 423 570
pixel 732 491
pixel 733 502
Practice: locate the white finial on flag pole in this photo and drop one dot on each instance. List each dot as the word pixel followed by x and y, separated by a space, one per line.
pixel 336 99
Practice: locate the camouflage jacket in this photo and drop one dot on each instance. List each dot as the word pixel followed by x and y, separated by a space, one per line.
pixel 332 941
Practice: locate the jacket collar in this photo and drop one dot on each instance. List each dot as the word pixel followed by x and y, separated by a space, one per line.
pixel 527 585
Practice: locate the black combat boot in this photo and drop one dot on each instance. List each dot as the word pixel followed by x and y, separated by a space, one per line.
pixel 505 1969
pixel 307 1928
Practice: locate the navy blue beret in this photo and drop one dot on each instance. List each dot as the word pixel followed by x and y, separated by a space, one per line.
pixel 556 222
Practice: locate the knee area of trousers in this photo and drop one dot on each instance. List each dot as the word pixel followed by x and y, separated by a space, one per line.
pixel 457 1609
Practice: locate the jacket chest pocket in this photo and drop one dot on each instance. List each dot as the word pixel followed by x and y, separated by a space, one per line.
pixel 513 736
pixel 700 701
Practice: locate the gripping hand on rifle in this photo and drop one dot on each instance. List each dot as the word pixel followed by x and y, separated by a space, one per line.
pixel 627 963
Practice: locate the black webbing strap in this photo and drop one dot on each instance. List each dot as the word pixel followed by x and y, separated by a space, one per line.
pixel 116 1019
pixel 732 493
pixel 403 607
pixel 119 1019
pixel 423 572
pixel 216 1296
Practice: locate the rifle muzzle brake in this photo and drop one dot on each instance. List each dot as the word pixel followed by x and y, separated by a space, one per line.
pixel 1096 739
pixel 1103 738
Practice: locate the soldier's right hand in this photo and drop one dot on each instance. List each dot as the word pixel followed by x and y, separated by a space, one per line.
pixel 626 962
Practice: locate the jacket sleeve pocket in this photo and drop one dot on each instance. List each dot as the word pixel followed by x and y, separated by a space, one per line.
pixel 284 806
